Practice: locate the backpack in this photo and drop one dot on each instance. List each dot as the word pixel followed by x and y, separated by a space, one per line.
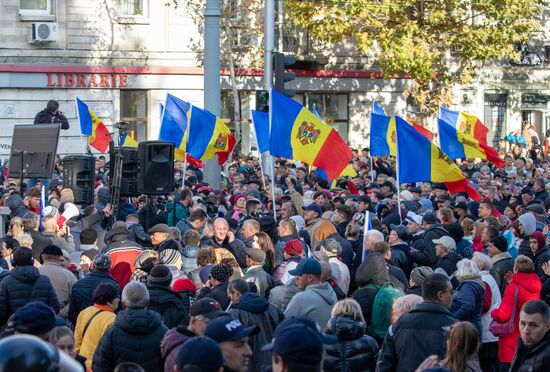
pixel 382 309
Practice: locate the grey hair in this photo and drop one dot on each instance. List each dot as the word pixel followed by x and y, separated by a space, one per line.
pixel 332 245
pixel 25 240
pixel 135 296
pixel 375 236
pixel 466 269
pixel 482 261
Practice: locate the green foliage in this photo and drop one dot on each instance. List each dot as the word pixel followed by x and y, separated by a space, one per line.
pixel 416 37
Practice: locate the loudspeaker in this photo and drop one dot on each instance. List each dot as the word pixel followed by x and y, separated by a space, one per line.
pixel 129 179
pixel 79 175
pixel 156 167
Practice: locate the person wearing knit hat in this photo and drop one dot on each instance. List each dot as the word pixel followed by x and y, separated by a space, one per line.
pixel 102 262
pixel 418 274
pixel 173 307
pixel 86 260
pixel 255 273
pixel 502 260
pixel 184 284
pixel 293 253
pixel 216 286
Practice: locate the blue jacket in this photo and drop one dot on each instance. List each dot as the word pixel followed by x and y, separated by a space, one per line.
pixel 468 302
pixel 22 285
pixel 83 290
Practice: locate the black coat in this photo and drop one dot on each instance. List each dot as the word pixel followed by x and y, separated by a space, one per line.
pixel 134 337
pixel 448 263
pixel 252 309
pixel 25 284
pixel 541 256
pixel 218 293
pixel 499 270
pixel 236 247
pixel 426 327
pixel 83 290
pixel 536 359
pixel 426 256
pixel 400 257
pixel 46 117
pixel 173 307
pixel 354 351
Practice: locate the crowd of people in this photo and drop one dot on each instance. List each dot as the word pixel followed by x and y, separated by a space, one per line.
pixel 297 274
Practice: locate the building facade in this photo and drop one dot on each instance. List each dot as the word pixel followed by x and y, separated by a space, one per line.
pixel 121 57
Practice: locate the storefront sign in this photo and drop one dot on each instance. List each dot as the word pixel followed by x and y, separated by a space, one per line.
pixel 71 80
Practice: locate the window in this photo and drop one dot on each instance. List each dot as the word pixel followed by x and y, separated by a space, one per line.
pixel 35 7
pixel 132 8
pixel 133 109
pixel 333 109
pixel 233 8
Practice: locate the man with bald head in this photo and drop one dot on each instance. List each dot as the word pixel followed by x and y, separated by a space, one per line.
pixel 224 238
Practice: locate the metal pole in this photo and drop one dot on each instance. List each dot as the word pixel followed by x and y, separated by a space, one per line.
pixel 269 45
pixel 212 86
pixel 280 20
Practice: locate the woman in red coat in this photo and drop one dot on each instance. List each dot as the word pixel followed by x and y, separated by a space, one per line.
pixel 528 285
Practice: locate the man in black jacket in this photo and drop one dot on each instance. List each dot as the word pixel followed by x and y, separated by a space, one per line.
pixel 135 335
pixel 224 238
pixel 400 250
pixel 252 309
pixel 23 285
pixel 433 230
pixel 172 306
pixel 426 328
pixel 52 115
pixel 533 351
pixel 83 289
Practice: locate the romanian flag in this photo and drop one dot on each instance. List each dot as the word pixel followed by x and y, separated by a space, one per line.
pixel 91 126
pixel 466 123
pixel 382 135
pixel 208 135
pixel 460 145
pixel 419 160
pixel 298 134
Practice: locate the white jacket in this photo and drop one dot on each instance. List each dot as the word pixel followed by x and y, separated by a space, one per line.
pixel 486 318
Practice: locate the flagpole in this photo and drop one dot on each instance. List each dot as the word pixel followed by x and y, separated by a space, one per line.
pixel 365 229
pixel 271 171
pixel 397 176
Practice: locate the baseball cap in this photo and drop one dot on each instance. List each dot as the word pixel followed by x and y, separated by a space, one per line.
pixel 429 217
pixel 445 241
pixel 308 266
pixel 102 261
pixel 202 352
pixel 460 205
pixel 314 207
pixel 36 318
pixel 207 307
pixel 298 339
pixel 227 328
pixel 413 217
pixel 401 231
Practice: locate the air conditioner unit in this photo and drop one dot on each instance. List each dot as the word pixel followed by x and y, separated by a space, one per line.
pixel 43 32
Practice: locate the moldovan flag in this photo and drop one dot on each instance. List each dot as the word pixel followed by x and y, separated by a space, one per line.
pixel 91 126
pixel 460 145
pixel 466 123
pixel 208 135
pixel 422 161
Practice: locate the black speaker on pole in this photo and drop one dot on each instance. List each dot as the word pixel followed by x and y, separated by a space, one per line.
pixel 156 167
pixel 129 179
pixel 79 175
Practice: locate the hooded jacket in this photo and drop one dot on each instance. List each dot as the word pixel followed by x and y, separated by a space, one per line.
pixel 354 351
pixel 189 258
pixel 123 253
pixel 528 286
pixel 251 310
pixel 134 337
pixel 173 307
pixel 15 203
pixel 171 344
pixel 468 302
pixel 529 223
pixel 25 284
pixel 373 270
pixel 426 325
pixel 316 302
